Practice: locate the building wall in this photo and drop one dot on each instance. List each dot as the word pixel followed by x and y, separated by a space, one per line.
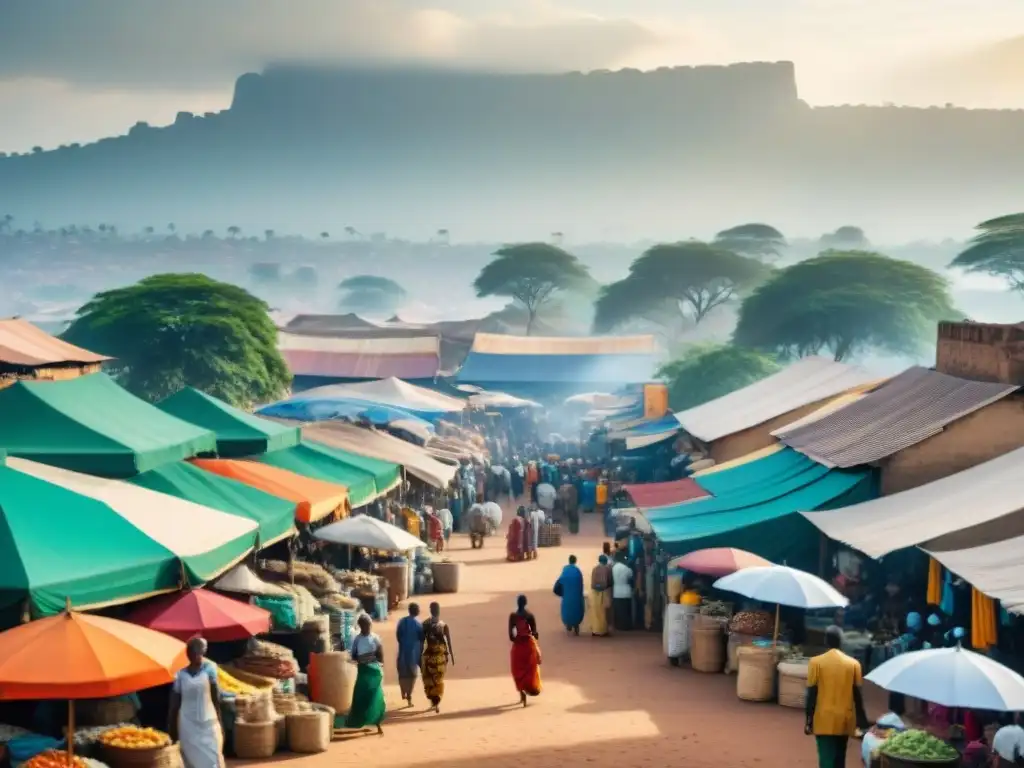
pixel 754 439
pixel 981 351
pixel 972 440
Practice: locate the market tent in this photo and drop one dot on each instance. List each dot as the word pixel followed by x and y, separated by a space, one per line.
pixel 57 544
pixel 275 516
pixel 90 424
pixel 242 581
pixel 238 433
pixel 647 432
pixel 649 495
pixel 392 392
pixel 995 569
pixel 417 461
pixel 304 410
pixel 902 412
pixel 989 493
pixel 499 400
pixel 366 531
pixel 759 513
pixel 751 476
pixel 313 499
pixel 207 541
pixel 23 344
pixel 376 353
pixel 739 462
pixel 359 474
pixel 806 381
pixel 569 365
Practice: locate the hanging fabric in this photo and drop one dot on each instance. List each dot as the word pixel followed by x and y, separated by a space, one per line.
pixel 934 595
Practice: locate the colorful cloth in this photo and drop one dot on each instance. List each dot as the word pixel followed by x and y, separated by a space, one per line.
pixel 435 660
pixel 368 707
pixel 600 601
pixel 525 659
pixel 410 650
pixel 571 581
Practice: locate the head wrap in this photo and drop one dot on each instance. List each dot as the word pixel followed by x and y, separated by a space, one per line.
pixel 913 621
pixel 933 620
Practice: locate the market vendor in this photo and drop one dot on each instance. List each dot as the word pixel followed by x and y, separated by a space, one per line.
pixel 194 717
pixel 888 723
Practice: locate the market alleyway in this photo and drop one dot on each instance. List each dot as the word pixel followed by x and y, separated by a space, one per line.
pixel 606 701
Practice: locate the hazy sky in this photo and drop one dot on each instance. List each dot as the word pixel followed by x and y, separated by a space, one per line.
pixel 76 70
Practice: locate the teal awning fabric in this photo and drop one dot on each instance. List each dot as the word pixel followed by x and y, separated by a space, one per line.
pixel 239 434
pixel 275 516
pixel 758 513
pixel 336 466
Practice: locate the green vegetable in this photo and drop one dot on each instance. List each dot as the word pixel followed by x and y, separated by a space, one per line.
pixel 918 745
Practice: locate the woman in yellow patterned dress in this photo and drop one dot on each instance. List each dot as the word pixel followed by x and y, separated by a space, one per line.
pixel 437 651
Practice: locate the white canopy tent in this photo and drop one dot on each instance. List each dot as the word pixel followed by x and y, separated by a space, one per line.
pixel 366 531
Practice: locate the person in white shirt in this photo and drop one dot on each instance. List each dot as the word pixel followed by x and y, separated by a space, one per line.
pixel 1008 744
pixel 622 594
pixel 368 707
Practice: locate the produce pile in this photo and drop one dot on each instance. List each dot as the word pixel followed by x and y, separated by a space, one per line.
pixel 232 685
pixel 716 608
pixel 757 623
pixel 358 581
pixel 313 577
pixel 339 602
pixel 133 737
pixel 53 758
pixel 89 737
pixel 268 660
pixel 918 745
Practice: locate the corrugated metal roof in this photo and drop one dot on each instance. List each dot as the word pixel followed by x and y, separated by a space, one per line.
pixel 904 411
pixel 806 381
pixel 22 344
pixel 647 495
pixel 362 345
pixel 499 344
pixel 341 366
pixel 967 499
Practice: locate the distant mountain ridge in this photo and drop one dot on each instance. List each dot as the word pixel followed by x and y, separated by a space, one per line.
pixel 657 153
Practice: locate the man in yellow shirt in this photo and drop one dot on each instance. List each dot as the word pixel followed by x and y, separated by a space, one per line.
pixel 835 708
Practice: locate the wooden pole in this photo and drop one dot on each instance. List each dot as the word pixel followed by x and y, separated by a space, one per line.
pixel 71 732
pixel 775 634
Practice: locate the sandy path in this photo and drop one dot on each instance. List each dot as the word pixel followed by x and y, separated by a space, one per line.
pixel 606 702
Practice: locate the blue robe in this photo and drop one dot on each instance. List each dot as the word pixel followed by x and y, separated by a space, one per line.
pixel 573 605
pixel 410 646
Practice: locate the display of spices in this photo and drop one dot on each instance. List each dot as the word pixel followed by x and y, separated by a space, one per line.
pixel 756 623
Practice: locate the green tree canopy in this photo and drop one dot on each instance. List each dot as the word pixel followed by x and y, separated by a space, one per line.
pixel 371 294
pixel 675 282
pixel 530 273
pixel 997 249
pixel 759 241
pixel 167 332
pixel 845 238
pixel 707 371
pixel 844 302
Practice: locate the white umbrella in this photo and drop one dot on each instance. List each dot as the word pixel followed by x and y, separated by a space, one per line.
pixel 782 585
pixel 366 531
pixel 952 677
pixel 242 580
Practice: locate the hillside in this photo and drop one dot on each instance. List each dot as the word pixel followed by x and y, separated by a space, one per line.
pixel 599 155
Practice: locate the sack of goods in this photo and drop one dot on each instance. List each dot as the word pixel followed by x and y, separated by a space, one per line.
pixel 674 639
pixel 757 623
pixel 549 535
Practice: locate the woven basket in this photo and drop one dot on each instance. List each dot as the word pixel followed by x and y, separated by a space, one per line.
pixel 281 729
pixel 332 680
pixel 155 757
pixel 285 703
pixel 900 762
pixel 755 679
pixel 310 732
pixel 707 649
pixel 792 684
pixel 255 741
pixel 447 576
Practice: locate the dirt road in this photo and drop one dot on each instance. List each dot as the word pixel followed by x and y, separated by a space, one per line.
pixel 606 701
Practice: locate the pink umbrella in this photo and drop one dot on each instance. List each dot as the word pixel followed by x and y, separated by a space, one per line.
pixel 720 561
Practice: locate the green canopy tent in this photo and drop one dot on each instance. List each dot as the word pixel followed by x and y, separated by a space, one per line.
pixel 92 425
pixel 275 516
pixel 239 434
pixel 114 544
pixel 365 478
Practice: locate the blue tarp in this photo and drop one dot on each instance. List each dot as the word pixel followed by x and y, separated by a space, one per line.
pixel 654 427
pixel 590 370
pixel 755 508
pixel 300 408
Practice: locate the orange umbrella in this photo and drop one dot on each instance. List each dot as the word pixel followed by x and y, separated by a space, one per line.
pixel 314 499
pixel 80 656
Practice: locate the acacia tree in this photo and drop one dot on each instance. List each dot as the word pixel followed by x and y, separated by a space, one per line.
pixel 844 302
pixel 674 282
pixel 370 294
pixel 171 331
pixel 704 372
pixel 758 241
pixel 531 274
pixel 997 249
pixel 845 238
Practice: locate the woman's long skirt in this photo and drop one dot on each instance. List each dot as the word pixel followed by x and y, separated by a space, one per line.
pixel 201 743
pixel 525 663
pixel 368 707
pixel 622 613
pixel 599 601
pixel 435 665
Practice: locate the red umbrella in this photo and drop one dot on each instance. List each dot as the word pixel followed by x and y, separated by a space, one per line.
pixel 721 561
pixel 198 612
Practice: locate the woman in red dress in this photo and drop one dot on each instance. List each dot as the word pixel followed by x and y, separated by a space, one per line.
pixel 514 540
pixel 525 657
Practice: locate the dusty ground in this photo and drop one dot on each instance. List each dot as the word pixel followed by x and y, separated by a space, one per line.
pixel 606 701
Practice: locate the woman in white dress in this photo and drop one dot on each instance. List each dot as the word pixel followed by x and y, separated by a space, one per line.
pixel 195 710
